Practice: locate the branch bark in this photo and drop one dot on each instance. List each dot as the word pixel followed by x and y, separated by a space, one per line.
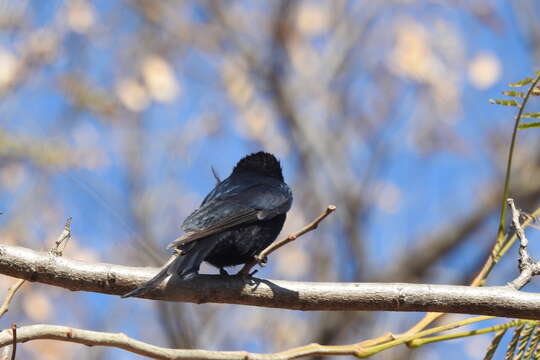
pixel 310 296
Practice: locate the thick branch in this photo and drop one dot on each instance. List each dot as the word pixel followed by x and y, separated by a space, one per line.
pixel 114 279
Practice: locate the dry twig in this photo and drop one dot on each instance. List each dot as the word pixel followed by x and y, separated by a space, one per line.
pixel 261 258
pixel 14 341
pixel 9 296
pixel 57 251
pixel 61 242
pixel 122 341
pixel 527 266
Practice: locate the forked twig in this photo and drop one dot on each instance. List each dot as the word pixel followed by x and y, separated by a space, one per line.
pixel 527 266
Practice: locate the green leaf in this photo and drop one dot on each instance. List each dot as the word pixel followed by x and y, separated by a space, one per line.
pixel 524 338
pixel 494 344
pixel 513 343
pixel 531 115
pixel 536 353
pixel 504 102
pixel 529 125
pixel 512 93
pixel 522 82
pixel 535 337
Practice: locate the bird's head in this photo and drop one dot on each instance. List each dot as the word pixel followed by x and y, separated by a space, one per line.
pixel 261 163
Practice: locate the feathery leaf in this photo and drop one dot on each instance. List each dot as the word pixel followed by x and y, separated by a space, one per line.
pixel 529 125
pixel 510 102
pixel 494 344
pixel 513 343
pixel 535 337
pixel 521 83
pixel 524 338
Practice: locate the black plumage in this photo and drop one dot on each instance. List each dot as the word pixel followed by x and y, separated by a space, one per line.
pixel 240 217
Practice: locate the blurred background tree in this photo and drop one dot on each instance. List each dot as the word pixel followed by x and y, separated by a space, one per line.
pixel 113 112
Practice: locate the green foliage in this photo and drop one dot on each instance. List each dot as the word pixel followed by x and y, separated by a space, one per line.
pixel 494 344
pixel 521 83
pixel 533 115
pixel 512 93
pixel 510 102
pixel 533 348
pixel 513 343
pixel 529 125
pixel 524 339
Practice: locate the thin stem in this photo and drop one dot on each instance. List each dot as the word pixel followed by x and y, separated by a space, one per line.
pixel 410 337
pixel 419 342
pixel 500 233
pixel 14 334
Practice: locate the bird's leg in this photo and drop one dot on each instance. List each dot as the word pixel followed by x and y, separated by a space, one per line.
pixel 262 261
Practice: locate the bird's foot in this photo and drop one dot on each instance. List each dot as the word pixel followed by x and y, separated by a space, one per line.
pixel 223 272
pixel 261 261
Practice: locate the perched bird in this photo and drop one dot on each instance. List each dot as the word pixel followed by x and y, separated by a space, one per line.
pixel 240 217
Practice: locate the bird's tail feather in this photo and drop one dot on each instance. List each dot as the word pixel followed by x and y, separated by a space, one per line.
pixel 155 281
pixel 185 264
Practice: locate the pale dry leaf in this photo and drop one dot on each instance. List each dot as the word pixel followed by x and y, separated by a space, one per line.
pixel 312 18
pixel 80 16
pixel 412 55
pixel 8 67
pixel 484 70
pixel 132 95
pixel 160 79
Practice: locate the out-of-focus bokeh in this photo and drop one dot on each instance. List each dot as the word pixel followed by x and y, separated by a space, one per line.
pixel 114 112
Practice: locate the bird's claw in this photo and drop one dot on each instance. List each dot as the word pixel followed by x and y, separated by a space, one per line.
pixel 262 261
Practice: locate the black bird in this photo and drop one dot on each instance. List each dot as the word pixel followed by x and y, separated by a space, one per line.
pixel 240 217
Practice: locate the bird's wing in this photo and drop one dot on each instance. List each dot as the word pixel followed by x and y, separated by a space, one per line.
pixel 244 204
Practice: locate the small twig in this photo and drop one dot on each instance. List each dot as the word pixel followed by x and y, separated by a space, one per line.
pixel 261 258
pixel 216 176
pixel 63 239
pixel 10 293
pixel 14 332
pixel 56 251
pixel 527 266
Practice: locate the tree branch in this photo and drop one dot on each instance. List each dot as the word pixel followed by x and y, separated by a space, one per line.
pixel 315 296
pixel 527 266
